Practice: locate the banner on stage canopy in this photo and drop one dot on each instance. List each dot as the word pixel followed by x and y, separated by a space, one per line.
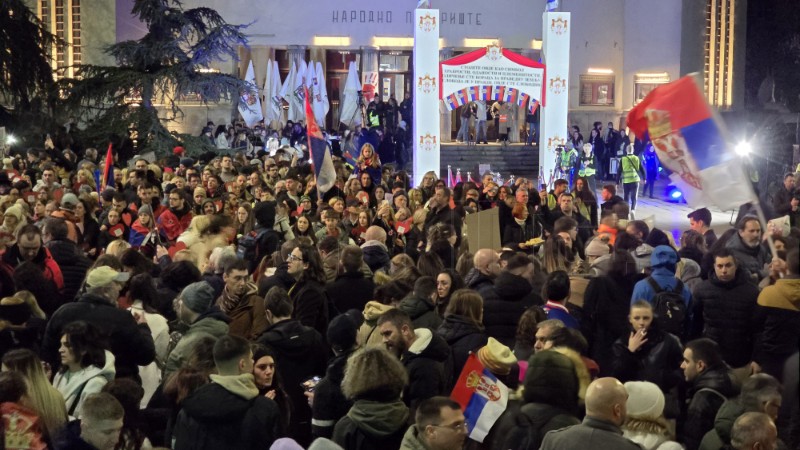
pixel 491 73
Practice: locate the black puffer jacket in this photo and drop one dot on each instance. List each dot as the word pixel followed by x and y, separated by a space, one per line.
pixel 330 404
pixel 606 304
pixel 72 263
pixel 482 284
pixel 657 361
pixel 513 294
pixel 421 311
pixel 710 390
pixel 723 312
pixel 425 362
pixel 463 336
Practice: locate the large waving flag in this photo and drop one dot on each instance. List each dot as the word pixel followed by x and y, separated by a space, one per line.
pixel 690 141
pixel 319 150
pixel 250 102
pixel 482 397
pixel 274 111
pixel 349 113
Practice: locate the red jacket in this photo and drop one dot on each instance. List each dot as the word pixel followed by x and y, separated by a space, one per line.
pixel 171 225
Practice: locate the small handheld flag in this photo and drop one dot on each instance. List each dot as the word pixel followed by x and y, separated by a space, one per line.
pixel 482 397
pixel 107 179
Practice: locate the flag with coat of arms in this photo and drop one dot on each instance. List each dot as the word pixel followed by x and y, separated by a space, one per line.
pixel 483 398
pixel 318 149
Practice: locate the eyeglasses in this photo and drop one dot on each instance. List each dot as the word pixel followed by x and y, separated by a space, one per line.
pixel 460 426
pixel 293 257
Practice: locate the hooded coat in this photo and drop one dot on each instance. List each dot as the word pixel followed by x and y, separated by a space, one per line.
pixel 376 255
pixel 723 312
pixel 367 335
pixel 425 361
pixel 248 319
pixel 421 311
pixel 300 354
pixel 372 425
pixel 213 323
pixel 75 387
pixel 720 435
pixel 513 295
pixel 663 260
pixel 72 263
pixel 227 413
pixel 778 318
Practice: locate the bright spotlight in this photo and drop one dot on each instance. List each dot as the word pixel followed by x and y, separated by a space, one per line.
pixel 673 194
pixel 743 148
pixel 11 140
pixel 676 194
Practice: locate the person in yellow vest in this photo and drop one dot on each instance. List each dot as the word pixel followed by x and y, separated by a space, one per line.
pixel 629 175
pixel 569 158
pixel 587 167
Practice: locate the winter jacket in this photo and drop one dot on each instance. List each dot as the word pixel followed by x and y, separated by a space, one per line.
pixel 720 436
pixel 213 323
pixel 411 440
pixel 70 438
pixel 707 394
pixel 300 354
pixel 44 260
pixel 310 305
pixel 652 441
pixel 131 343
pixel 666 280
pixel 513 295
pixel 280 278
pixel 72 263
pixel 482 284
pixel 173 222
pixel 351 290
pixel 462 336
pixel 421 311
pixel 531 421
pixel 515 234
pixel 76 386
pixel 330 404
pixel 376 255
pixel 445 215
pixel 658 360
pixel 591 433
pixel 372 425
pixel 751 258
pixel 248 319
pixel 723 312
pixel 425 361
pixel 227 413
pixel 368 335
pixel 605 316
pixel 778 318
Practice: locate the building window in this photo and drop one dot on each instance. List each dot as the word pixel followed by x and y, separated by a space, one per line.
pixel 63 19
pixel 76 32
pixel 644 83
pixel 597 90
pixel 718 65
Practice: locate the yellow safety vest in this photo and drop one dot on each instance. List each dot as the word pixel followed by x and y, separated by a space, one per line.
pixel 587 167
pixel 630 169
pixel 582 208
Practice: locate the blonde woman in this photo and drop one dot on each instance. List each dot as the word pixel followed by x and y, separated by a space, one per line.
pixel 369 162
pixel 415 199
pixel 43 397
pixel 117 247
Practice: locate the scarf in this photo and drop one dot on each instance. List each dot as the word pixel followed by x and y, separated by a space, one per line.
pixel 229 302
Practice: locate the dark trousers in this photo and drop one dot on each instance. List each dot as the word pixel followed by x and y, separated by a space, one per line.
pixel 631 191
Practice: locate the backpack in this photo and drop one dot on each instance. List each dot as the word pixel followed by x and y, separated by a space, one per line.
pixel 669 307
pixel 247 245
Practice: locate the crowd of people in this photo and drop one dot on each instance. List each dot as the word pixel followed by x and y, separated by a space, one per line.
pixel 222 301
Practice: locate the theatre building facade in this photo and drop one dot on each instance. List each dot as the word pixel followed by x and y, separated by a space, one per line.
pixel 620 49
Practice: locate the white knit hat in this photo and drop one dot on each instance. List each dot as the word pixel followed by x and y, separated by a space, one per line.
pixel 645 400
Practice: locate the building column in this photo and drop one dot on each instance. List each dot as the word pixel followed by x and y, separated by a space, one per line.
pixel 445 116
pixel 297 53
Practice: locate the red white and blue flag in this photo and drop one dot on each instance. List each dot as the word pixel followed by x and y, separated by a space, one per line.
pixel 510 95
pixel 522 98
pixel 107 177
pixel 498 92
pixel 451 102
pixel 474 93
pixel 486 92
pixel 463 96
pixel 482 397
pixel 533 105
pixel 691 142
pixel 318 149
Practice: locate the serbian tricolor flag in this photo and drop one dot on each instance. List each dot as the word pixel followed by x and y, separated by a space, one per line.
pixel 107 177
pixel 510 95
pixel 498 92
pixel 452 102
pixel 482 397
pixel 691 142
pixel 319 150
pixel 533 105
pixel 463 96
pixel 486 92
pixel 474 93
pixel 522 98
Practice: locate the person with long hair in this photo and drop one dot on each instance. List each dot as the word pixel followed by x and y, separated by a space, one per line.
pixel 87 224
pixel 85 365
pixel 585 200
pixel 462 327
pixel 46 400
pixel 447 282
pixel 244 219
pixel 368 162
pixel 308 291
pixel 144 298
pixel 302 228
pixel 358 233
pixel 268 381
pixel 557 255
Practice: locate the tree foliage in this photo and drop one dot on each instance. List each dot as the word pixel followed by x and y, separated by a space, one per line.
pixel 158 69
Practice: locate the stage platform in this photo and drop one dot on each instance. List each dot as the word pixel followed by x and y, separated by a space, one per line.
pixel 518 159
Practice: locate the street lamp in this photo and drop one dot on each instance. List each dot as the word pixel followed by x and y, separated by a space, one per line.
pixel 743 148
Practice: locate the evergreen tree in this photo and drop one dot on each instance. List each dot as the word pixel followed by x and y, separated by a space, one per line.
pixel 157 69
